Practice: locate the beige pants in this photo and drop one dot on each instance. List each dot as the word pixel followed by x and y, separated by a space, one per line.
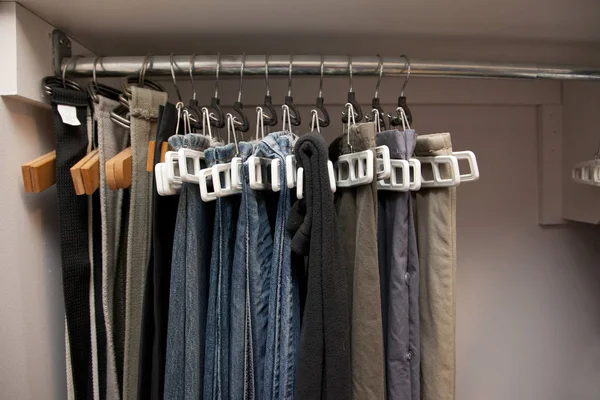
pixel 436 228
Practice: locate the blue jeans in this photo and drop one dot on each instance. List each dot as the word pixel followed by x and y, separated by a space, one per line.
pixel 283 328
pixel 184 366
pixel 250 289
pixel 216 373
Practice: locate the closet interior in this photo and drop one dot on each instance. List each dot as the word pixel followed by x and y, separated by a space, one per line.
pixel 434 170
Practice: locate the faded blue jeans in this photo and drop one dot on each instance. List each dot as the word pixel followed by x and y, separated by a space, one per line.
pixel 283 329
pixel 250 289
pixel 184 366
pixel 217 363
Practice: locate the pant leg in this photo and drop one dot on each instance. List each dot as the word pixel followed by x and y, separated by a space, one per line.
pixel 217 362
pixel 175 352
pixel 399 278
pixel 197 255
pixel 111 140
pixel 357 216
pixel 436 228
pixel 71 146
pixel 144 106
pixel 284 309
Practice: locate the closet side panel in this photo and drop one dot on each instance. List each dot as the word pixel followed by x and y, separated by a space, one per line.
pixel 31 301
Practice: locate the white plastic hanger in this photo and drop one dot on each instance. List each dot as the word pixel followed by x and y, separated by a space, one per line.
pixel 163 187
pixel 300 171
pixel 587 172
pixel 194 157
pixel 260 168
pixel 354 169
pixel 222 174
pixel 382 153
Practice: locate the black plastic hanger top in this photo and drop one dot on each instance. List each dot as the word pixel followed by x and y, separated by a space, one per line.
pixel 358 114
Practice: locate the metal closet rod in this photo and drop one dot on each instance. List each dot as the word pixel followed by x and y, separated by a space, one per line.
pixel 205 65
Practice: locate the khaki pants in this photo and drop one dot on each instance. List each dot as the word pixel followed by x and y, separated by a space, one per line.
pixel 436 228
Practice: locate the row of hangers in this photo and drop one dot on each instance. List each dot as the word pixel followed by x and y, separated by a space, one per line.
pixel 350 170
pixel 353 169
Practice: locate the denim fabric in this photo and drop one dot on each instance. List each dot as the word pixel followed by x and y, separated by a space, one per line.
pixel 399 272
pixel 189 287
pixel 216 374
pixel 283 329
pixel 250 289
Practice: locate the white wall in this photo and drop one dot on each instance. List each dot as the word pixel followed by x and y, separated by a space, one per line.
pixel 31 302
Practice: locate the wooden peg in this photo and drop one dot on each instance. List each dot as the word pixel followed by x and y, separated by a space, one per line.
pixel 164 147
pixel 90 172
pixel 78 180
pixel 150 159
pixel 39 174
pixel 118 170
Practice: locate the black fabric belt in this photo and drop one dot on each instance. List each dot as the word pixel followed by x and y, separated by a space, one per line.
pixel 71 146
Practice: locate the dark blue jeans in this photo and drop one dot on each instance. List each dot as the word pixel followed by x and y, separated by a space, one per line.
pixel 250 289
pixel 184 367
pixel 283 328
pixel 217 362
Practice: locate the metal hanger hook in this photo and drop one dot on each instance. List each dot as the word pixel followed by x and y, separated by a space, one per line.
pixel 314 121
pixel 206 122
pixel 260 122
pixel 192 62
pixel 406 67
pixel 179 106
pixel 239 99
pixel 142 76
pixel 94 80
pixel 321 77
pixel 289 93
pixel 350 112
pixel 174 78
pixel 267 75
pixel 380 76
pixel 350 72
pixel 217 75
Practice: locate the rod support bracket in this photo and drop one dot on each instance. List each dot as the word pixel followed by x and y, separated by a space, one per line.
pixel 61 48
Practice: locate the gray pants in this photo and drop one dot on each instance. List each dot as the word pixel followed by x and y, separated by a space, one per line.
pixel 357 220
pixel 399 272
pixel 436 227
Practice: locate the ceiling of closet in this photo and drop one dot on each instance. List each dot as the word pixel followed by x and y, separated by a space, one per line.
pixel 118 26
